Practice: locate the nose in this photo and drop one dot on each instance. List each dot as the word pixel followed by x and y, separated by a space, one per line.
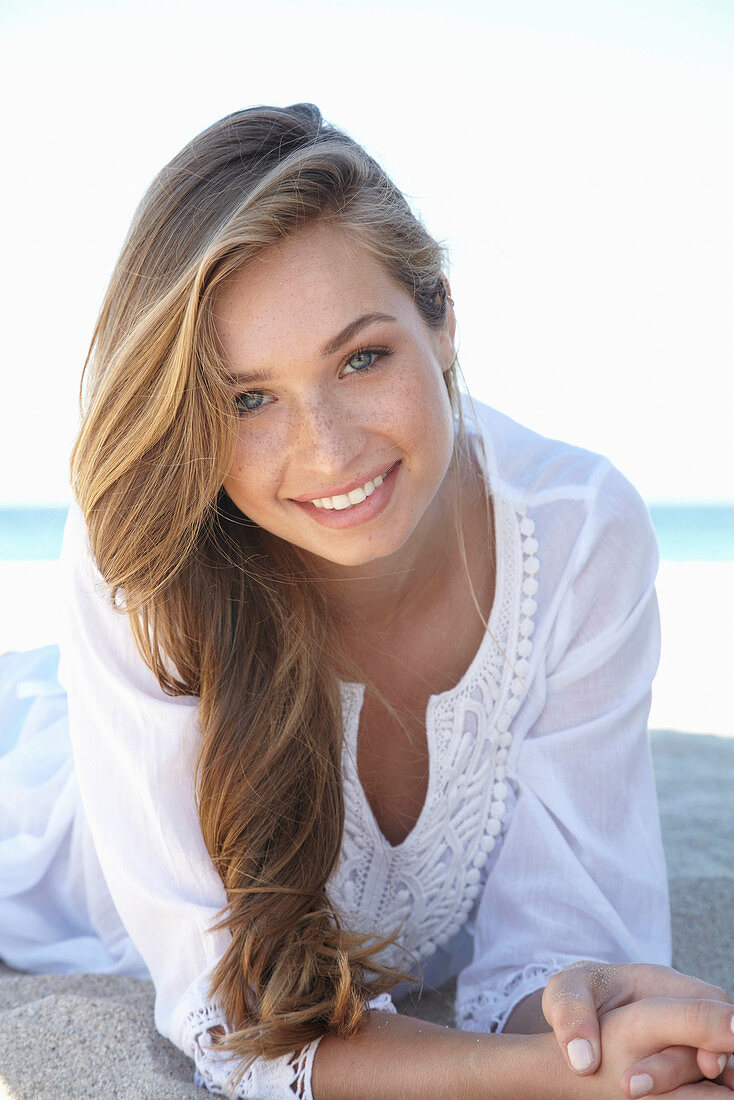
pixel 326 438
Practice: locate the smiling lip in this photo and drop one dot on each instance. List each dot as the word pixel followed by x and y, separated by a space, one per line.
pixel 342 490
pixel 339 519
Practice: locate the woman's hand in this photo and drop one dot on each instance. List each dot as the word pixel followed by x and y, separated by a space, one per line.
pixel 641 1033
pixel 580 995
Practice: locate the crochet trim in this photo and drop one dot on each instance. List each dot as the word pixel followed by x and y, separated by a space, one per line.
pixel 263 1080
pixel 490 1009
pixel 426 887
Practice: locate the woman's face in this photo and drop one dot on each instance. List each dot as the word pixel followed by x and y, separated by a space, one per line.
pixel 345 426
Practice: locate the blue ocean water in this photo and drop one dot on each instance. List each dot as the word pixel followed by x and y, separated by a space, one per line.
pixel 686 532
pixel 694 532
pixel 31 534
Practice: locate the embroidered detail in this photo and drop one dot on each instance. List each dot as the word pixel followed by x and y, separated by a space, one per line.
pixel 263 1080
pixel 426 887
pixel 300 1064
pixel 197 1024
pixel 196 1043
pixel 490 1010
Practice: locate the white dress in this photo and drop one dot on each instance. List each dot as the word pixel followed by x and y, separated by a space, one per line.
pixel 539 841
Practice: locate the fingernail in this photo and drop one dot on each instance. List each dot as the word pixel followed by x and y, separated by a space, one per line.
pixel 640 1085
pixel 721 1062
pixel 732 1023
pixel 580 1054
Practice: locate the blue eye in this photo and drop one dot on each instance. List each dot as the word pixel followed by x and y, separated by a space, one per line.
pixel 250 401
pixel 364 359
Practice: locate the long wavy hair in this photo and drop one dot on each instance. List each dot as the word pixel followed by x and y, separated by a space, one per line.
pixel 219 608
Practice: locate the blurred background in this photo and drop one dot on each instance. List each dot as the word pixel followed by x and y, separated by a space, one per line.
pixel 577 158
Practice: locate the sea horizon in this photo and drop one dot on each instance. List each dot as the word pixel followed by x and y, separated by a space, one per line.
pixel 685 531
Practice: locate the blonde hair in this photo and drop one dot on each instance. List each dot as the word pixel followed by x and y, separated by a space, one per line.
pixel 220 609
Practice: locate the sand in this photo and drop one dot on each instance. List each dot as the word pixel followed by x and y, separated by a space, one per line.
pixel 93 1036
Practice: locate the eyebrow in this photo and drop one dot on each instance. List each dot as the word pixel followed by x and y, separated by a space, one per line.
pixel 329 348
pixel 353 329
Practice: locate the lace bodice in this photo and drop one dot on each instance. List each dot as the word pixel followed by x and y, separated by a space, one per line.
pixel 427 885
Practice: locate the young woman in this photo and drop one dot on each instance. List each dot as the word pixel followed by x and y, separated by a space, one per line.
pixel 357 674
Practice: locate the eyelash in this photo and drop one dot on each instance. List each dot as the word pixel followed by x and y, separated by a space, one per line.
pixel 380 352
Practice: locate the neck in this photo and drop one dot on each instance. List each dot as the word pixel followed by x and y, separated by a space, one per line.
pixel 389 590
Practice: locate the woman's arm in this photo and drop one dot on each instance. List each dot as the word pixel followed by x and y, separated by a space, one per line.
pixel 582 867
pixel 580 872
pixel 398 1058
pixel 134 751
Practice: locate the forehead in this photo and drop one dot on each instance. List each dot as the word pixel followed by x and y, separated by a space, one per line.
pixel 306 288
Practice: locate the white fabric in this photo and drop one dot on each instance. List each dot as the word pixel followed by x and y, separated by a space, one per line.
pixel 539 841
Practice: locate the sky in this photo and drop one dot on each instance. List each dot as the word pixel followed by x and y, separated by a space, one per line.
pixel 577 158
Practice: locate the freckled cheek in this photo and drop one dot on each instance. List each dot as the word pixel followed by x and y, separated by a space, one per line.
pixel 255 473
pixel 421 414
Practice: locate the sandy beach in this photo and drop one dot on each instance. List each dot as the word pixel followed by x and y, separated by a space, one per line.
pixel 85 1036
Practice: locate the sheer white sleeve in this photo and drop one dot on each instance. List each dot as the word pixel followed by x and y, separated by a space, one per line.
pixel 581 872
pixel 135 750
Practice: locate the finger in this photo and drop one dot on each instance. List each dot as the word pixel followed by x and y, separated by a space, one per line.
pixel 696 1023
pixel 710 1064
pixel 649 980
pixel 569 1007
pixel 666 1070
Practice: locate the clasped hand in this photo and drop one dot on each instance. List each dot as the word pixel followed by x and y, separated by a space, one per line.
pixel 652 1030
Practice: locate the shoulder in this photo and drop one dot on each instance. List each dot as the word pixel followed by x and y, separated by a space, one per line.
pixel 83 584
pixel 94 615
pixel 76 558
pixel 571 491
pixel 593 536
pixel 525 465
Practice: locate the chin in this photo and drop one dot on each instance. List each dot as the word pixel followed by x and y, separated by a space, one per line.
pixel 355 558
pixel 352 556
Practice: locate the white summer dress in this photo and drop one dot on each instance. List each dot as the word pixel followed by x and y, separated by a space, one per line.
pixel 538 843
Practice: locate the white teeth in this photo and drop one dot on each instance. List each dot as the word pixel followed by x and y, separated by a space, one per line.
pixel 350 499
